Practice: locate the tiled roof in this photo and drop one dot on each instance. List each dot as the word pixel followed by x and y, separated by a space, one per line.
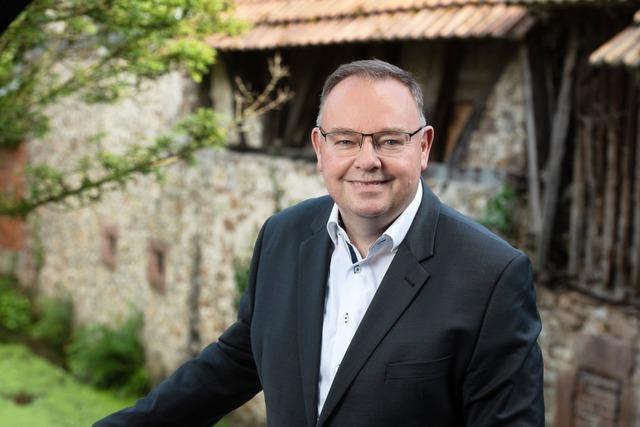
pixel 568 2
pixel 280 23
pixel 623 49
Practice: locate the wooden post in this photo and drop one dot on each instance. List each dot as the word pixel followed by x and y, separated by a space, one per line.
pixel 532 149
pixel 635 251
pixel 623 237
pixel 610 204
pixel 591 143
pixel 578 208
pixel 558 141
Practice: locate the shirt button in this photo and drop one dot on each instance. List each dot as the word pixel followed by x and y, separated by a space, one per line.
pixel 357 269
pixel 346 318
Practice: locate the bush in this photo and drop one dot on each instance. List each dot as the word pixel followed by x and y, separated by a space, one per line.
pixel 110 358
pixel 15 308
pixel 500 213
pixel 55 322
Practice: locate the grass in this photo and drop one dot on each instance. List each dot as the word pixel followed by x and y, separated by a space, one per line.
pixel 36 393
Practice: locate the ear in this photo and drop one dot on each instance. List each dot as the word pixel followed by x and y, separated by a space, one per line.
pixel 316 141
pixel 425 146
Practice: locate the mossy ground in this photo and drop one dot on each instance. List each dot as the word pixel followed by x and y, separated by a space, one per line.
pixel 34 393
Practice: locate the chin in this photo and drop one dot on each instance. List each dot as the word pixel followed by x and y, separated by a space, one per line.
pixel 370 212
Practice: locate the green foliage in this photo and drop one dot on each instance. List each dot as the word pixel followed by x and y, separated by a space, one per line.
pixel 110 358
pixel 15 308
pixel 98 49
pixel 58 400
pixel 241 271
pixel 500 212
pixel 92 177
pixel 54 322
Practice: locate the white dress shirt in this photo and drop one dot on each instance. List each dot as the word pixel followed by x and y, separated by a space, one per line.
pixel 352 283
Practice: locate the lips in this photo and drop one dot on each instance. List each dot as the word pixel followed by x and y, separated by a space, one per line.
pixel 368 183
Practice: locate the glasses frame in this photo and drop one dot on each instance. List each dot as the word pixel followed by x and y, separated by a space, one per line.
pixel 372 135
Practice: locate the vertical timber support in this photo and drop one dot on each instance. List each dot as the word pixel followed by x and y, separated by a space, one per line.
pixel 559 130
pixel 532 149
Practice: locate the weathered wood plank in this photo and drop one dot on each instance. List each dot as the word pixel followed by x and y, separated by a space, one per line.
pixel 610 204
pixel 558 141
pixel 577 216
pixel 623 235
pixel 535 210
pixel 635 251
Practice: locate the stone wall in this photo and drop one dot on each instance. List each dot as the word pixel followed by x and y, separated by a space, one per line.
pixel 499 141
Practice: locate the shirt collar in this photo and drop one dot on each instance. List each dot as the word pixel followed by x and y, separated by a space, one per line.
pixel 397 231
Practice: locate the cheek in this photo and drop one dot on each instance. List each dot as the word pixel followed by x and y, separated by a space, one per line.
pixel 407 170
pixel 334 169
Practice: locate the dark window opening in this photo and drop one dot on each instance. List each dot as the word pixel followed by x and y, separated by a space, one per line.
pixel 157 266
pixel 109 247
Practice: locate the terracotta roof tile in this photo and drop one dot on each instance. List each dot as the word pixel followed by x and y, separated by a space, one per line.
pixel 621 50
pixel 551 3
pixel 280 23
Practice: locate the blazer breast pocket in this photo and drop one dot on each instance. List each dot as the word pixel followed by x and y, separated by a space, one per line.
pixel 418 370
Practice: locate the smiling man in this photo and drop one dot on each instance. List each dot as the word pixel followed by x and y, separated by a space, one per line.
pixel 371 183
pixel 376 305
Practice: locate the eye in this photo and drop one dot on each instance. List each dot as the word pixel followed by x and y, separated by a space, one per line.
pixel 344 142
pixel 391 142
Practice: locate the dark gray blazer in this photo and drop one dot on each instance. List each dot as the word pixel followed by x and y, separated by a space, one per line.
pixel 448 340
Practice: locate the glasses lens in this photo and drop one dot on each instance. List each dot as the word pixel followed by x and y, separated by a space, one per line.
pixel 344 142
pixel 390 142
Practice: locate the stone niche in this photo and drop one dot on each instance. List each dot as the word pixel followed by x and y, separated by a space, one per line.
pixel 597 390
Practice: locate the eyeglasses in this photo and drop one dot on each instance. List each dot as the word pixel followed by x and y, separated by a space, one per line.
pixel 386 143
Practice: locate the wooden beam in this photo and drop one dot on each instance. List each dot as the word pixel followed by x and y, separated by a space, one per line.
pixel 635 247
pixel 558 143
pixel 532 145
pixel 454 54
pixel 610 200
pixel 623 233
pixel 578 208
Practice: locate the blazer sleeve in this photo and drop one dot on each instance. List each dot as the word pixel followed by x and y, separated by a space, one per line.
pixel 204 389
pixel 503 385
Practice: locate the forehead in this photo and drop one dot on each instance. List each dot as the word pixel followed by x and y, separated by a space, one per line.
pixel 370 105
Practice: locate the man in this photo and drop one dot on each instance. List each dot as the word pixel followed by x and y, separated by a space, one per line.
pixel 378 306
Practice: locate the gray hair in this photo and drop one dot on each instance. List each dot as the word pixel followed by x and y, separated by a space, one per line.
pixel 373 69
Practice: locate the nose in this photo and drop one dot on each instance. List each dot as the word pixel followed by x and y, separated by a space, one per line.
pixel 367 158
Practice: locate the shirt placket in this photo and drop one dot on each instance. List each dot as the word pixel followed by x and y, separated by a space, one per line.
pixel 349 301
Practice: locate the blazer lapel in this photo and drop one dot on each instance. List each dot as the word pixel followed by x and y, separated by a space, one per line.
pixel 402 282
pixel 313 262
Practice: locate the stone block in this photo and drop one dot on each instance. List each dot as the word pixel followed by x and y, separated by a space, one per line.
pixel 596 390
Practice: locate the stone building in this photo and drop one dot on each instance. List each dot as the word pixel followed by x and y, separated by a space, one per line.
pixel 493 92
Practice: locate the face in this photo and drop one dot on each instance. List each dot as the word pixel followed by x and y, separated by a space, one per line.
pixel 368 188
